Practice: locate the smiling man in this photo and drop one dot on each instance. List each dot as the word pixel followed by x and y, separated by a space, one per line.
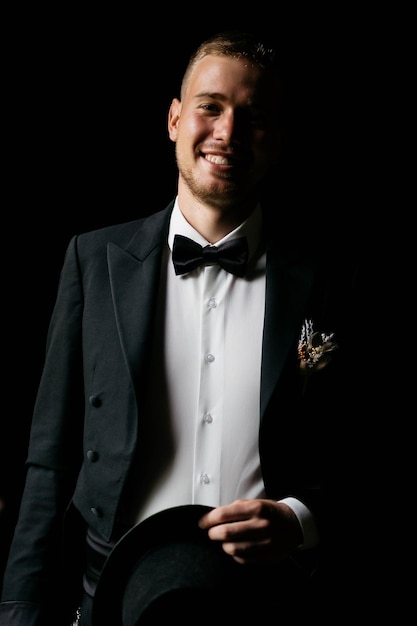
pixel 172 375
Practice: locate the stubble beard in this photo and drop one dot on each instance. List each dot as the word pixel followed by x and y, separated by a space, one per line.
pixel 226 194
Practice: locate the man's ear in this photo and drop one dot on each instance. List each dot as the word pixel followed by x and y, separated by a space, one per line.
pixel 174 115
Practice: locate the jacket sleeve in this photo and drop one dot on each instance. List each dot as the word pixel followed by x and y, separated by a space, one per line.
pixel 20 614
pixel 34 573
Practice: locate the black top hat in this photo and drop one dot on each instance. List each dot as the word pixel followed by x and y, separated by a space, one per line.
pixel 165 564
pixel 166 567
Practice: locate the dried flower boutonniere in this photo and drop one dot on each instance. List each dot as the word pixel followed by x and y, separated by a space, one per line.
pixel 314 348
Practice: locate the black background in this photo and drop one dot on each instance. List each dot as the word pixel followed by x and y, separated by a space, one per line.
pixel 85 102
pixel 86 98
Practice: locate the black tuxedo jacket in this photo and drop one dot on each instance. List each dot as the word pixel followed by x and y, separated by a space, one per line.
pixel 88 407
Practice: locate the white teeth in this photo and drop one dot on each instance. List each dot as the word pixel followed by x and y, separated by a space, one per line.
pixel 217 159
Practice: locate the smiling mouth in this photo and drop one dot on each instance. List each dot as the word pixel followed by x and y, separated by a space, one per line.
pixel 219 160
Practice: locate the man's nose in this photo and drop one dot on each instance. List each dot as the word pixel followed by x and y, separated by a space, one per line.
pixel 225 126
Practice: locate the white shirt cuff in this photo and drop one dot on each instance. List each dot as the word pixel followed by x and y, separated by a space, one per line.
pixel 307 523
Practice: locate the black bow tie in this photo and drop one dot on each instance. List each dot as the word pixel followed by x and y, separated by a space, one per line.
pixel 231 256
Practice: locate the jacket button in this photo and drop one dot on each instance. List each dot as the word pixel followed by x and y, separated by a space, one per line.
pixel 94 401
pixel 92 456
pixel 96 512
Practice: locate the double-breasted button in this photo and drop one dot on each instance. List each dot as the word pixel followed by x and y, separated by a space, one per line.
pixel 94 401
pixel 92 456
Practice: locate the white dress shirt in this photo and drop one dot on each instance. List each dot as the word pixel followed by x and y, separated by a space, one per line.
pixel 201 423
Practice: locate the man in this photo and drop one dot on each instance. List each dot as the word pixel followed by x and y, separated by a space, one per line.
pixel 170 382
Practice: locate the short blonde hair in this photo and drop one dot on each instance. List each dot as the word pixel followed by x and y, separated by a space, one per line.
pixel 235 44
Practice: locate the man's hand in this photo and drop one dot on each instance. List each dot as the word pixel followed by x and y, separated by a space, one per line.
pixel 254 531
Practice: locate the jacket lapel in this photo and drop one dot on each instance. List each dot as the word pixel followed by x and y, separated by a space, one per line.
pixel 288 287
pixel 134 277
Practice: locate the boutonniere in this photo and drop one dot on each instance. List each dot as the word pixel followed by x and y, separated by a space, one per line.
pixel 314 348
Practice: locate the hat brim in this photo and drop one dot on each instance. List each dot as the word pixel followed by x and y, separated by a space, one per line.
pixel 170 540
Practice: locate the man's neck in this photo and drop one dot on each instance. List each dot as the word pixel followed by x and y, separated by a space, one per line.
pixel 212 222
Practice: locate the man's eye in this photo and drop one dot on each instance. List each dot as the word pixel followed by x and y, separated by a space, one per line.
pixel 209 107
pixel 258 120
pixel 254 118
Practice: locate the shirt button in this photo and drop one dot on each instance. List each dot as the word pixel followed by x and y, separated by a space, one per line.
pixel 204 479
pixel 207 418
pixel 209 358
pixel 212 303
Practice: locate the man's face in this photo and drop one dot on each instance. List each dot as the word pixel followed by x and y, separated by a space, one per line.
pixel 225 129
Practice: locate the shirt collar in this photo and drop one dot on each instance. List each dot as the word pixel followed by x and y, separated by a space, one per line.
pixel 251 228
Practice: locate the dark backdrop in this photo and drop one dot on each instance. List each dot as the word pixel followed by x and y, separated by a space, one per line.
pixel 86 100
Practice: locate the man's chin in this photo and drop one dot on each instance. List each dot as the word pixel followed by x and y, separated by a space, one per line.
pixel 222 198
